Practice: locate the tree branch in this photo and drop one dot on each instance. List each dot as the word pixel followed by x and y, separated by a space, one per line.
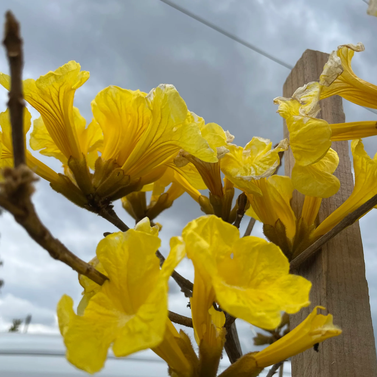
pixel 185 284
pixel 274 369
pixel 180 319
pixel 13 45
pixel 110 215
pixel 250 227
pixel 15 196
pixel 232 342
pixel 347 221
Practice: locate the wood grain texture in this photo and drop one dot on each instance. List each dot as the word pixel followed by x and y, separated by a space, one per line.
pixel 338 270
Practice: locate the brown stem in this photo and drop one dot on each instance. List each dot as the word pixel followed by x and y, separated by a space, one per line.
pixel 15 196
pixel 232 343
pixel 250 227
pixel 274 369
pixel 185 284
pixel 110 215
pixel 347 221
pixel 180 319
pixel 13 45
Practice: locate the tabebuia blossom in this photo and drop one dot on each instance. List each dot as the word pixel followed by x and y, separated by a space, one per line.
pixel 131 140
pixel 129 311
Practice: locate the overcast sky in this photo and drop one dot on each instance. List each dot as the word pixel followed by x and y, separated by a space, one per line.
pixel 138 44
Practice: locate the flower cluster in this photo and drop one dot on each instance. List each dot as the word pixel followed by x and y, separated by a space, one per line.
pixel 150 142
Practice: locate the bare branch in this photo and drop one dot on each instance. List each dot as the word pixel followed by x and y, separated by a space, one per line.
pixel 274 369
pixel 347 221
pixel 180 319
pixel 15 193
pixel 232 343
pixel 13 45
pixel 185 284
pixel 110 215
pixel 250 227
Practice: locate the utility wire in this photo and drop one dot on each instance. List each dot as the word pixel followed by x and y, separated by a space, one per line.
pixel 226 33
pixel 235 38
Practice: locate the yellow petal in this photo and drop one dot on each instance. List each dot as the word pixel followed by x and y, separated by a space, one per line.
pixel 309 139
pixel 314 329
pixel 6 129
pixel 87 341
pixel 365 169
pixel 353 130
pixel 6 148
pixel 317 179
pixel 40 140
pixel 250 276
pixel 170 351
pixel 52 96
pixel 124 117
pixel 243 166
pixel 142 133
pixel 130 309
pixel 274 203
pixel 41 169
pixel 348 85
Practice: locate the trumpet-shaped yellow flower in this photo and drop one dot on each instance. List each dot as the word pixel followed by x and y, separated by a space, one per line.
pixel 129 310
pixel 52 96
pixel 309 138
pixel 314 329
pixel 144 132
pixel 176 349
pixel 244 166
pixel 209 171
pixel 273 204
pixel 137 134
pixel 248 277
pixel 317 179
pixel 6 148
pixel 310 141
pixel 347 84
pixel 365 169
pixel 90 139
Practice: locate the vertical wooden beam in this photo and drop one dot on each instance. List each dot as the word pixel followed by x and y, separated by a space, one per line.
pixel 338 270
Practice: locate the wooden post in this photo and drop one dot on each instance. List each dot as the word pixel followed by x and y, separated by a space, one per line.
pixel 338 270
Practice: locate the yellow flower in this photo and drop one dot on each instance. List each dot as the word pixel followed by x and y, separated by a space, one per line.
pixel 137 135
pixel 314 329
pixel 310 141
pixel 273 204
pixel 143 133
pixel 347 84
pixel 129 310
pixel 52 96
pixel 365 169
pixel 317 179
pixel 244 166
pixel 6 148
pixel 248 277
pixel 208 174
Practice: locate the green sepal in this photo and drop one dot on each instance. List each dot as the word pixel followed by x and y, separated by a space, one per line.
pixel 66 187
pixel 277 234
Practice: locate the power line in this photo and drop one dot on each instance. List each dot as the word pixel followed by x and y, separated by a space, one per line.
pixel 235 38
pixel 226 33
